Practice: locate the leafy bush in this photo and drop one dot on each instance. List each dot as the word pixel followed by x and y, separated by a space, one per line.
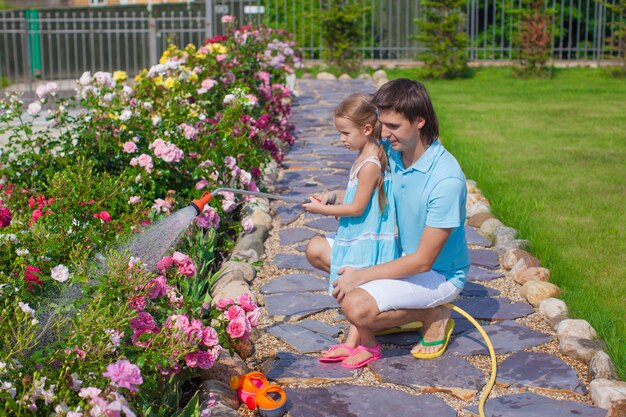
pixel 617 43
pixel 533 40
pixel 341 33
pixel 442 34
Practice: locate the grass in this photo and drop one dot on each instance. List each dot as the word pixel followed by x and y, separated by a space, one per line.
pixel 550 155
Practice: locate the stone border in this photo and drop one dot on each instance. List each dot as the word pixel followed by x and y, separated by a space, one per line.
pixel 577 338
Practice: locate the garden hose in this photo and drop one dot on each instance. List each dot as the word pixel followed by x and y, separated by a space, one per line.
pixel 492 354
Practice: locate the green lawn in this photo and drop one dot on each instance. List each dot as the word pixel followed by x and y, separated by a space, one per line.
pixel 550 155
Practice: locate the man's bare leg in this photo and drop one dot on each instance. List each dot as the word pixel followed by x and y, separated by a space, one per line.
pixel 362 311
pixel 318 253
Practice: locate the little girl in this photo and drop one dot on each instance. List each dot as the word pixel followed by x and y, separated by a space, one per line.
pixel 366 234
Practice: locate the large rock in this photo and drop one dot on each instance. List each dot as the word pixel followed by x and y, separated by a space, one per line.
pixel 231 290
pixel 225 367
pixel 511 257
pixel 261 219
pixel 602 367
pixel 576 328
pixel 379 75
pixel 529 404
pixel 553 311
pixel 525 263
pixel 254 240
pixel 472 186
pixel 345 77
pixel 537 291
pixel 220 392
pixel 532 274
pixel 476 198
pixel 246 270
pixel 478 208
pixel 605 392
pixel 582 349
pixel 618 409
pixel 504 247
pixel 503 234
pixel 478 219
pixel 326 76
pixel 489 226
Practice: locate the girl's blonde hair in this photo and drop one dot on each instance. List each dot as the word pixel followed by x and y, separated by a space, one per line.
pixel 360 110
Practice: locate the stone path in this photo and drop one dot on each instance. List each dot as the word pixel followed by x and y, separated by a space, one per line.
pixel 302 319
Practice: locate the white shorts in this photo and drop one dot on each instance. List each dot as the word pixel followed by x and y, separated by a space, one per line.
pixel 424 290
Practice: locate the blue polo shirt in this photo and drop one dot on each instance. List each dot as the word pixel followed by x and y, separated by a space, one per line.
pixel 432 192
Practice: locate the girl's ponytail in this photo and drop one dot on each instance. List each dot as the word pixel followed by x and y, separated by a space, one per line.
pixel 380 184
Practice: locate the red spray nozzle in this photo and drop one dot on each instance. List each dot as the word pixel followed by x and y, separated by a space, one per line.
pixel 199 203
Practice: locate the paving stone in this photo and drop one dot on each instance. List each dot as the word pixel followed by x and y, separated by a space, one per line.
pixel 286 260
pixel 295 234
pixel 301 247
pixel 327 224
pixel 320 327
pixel 447 373
pixel 413 338
pixel 493 308
pixel 473 238
pixel 307 190
pixel 287 214
pixel 484 258
pixel 339 180
pixel 306 339
pixel 288 368
pixel 529 404
pixel 506 337
pixel 294 283
pixel 298 305
pixel 341 165
pixel 472 289
pixel 362 401
pixel 540 370
pixel 479 274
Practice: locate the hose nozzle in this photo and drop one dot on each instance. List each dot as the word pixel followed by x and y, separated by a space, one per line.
pixel 199 203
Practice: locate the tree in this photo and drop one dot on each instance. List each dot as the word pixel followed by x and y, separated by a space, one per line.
pixel 341 33
pixel 534 39
pixel 442 33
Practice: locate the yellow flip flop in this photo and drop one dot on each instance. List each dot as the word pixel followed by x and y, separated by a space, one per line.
pixel 444 342
pixel 405 328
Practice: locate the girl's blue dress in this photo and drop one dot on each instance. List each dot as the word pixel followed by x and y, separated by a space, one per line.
pixel 368 239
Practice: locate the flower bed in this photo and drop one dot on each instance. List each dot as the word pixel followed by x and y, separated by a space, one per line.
pixel 80 336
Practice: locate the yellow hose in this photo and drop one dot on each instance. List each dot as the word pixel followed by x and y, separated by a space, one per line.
pixel 492 354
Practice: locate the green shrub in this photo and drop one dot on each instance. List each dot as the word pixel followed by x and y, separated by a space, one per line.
pixel 341 33
pixel 533 41
pixel 442 34
pixel 617 43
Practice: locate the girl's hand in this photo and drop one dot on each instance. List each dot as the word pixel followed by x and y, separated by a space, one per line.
pixel 315 206
pixel 329 198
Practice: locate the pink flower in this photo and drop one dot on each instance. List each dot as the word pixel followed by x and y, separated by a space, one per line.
pixel 5 217
pixel 235 312
pixel 124 374
pixel 144 321
pixel 36 216
pixel 245 177
pixel 202 184
pixel 161 205
pixel 31 276
pixel 157 287
pixel 137 302
pixel 228 205
pixel 208 84
pixel 134 200
pixel 188 130
pixel 208 219
pixel 104 216
pixel 205 360
pixel 230 162
pixel 253 316
pixel 165 263
pixel 246 302
pixel 209 337
pixel 89 392
pixel 227 19
pixel 237 328
pixel 191 359
pixel 247 225
pixel 180 258
pixel 188 269
pixel 144 161
pixel 194 331
pixel 223 303
pixel 129 147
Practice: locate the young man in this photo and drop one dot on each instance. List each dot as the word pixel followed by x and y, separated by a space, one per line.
pixel 429 190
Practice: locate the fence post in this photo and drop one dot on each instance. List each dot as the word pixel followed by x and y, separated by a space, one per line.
pixel 208 19
pixel 26 52
pixel 152 41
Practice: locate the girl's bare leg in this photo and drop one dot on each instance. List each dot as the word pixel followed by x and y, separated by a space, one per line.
pixel 352 340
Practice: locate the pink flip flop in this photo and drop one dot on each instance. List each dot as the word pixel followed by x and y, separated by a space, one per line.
pixel 337 358
pixel 375 351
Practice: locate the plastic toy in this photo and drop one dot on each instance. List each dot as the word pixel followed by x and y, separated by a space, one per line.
pixel 255 391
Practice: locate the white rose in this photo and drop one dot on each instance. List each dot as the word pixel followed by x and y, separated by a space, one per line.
pixel 34 107
pixel 60 273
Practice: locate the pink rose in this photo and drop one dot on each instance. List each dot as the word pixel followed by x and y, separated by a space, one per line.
pixel 144 321
pixel 246 302
pixel 180 258
pixel 124 374
pixel 104 216
pixel 207 359
pixel 137 302
pixel 237 328
pixel 134 200
pixel 201 184
pixel 157 287
pixel 235 312
pixel 165 263
pixel 194 331
pixel 188 269
pixel 223 303
pixel 208 84
pixel 253 316
pixel 227 19
pixel 191 359
pixel 129 147
pixel 5 217
pixel 247 225
pixel 209 337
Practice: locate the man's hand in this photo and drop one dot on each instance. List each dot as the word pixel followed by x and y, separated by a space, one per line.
pixel 349 279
